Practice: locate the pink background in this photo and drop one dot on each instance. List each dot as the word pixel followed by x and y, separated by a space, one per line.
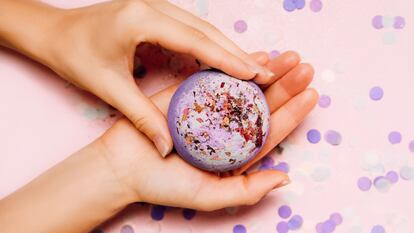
pixel 43 119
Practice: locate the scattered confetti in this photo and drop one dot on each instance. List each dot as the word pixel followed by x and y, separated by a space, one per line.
pixel 314 136
pixel 394 137
pixel 285 211
pixel 377 22
pixel 240 26
pixel 127 229
pixel 378 229
pixel 274 54
pixel 376 93
pixel 399 22
pixel 239 229
pixel 407 173
pixel 324 101
pixel 189 214
pixel 364 183
pixel 316 5
pixel 411 146
pixel 295 222
pixel 157 212
pixel 333 137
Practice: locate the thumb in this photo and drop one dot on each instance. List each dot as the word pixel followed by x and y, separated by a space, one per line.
pixel 141 111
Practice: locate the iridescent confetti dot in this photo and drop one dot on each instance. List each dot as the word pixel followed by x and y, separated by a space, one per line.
pixel 333 137
pixel 282 227
pixel 313 136
pixel 336 218
pixel 399 22
pixel 364 183
pixel 284 211
pixel 127 229
pixel 282 166
pixel 295 222
pixel 389 38
pixel 394 137
pixel 407 173
pixel 378 229
pixel 273 54
pixel 240 26
pixel 189 213
pixel 328 75
pixel 387 21
pixel 320 174
pixel 157 212
pixel 316 5
pixel 382 184
pixel 392 176
pixel 411 146
pixel 324 101
pixel 376 93
pixel 239 229
pixel 377 22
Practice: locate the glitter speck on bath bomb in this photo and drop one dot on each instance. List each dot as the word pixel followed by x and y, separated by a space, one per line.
pixel 217 122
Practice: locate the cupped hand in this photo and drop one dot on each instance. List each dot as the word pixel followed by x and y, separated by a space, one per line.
pixel 93 47
pixel 174 182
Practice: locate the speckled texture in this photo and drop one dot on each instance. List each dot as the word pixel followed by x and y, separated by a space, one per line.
pixel 218 122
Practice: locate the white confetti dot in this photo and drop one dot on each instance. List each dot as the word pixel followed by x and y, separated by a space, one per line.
pixel 328 75
pixel 320 174
pixel 407 173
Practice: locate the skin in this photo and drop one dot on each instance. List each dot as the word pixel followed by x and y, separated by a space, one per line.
pixel 93 47
pixel 121 167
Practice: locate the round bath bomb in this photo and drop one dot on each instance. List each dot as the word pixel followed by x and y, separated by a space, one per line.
pixel 217 122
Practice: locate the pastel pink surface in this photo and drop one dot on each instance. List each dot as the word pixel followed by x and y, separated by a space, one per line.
pixel 44 120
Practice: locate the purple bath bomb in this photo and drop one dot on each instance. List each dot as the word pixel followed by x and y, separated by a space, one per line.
pixel 217 122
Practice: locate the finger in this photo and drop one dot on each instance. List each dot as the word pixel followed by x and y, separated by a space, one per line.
pixel 291 114
pixel 280 66
pixel 260 57
pixel 290 85
pixel 209 30
pixel 147 118
pixel 217 193
pixel 191 41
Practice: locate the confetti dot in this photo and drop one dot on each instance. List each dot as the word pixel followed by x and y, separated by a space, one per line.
pixel 157 212
pixel 284 211
pixel 387 21
pixel 316 5
pixel 240 26
pixel 268 160
pixel 324 101
pixel 377 22
pixel 407 173
pixel 282 166
pixel 319 228
pixel 295 222
pixel 336 218
pixel 282 227
pixel 378 229
pixel 399 22
pixel 328 226
pixel 382 184
pixel 127 229
pixel 392 176
pixel 364 183
pixel 314 136
pixel 328 76
pixel 289 5
pixel 320 174
pixel 273 54
pixel 202 7
pixel 300 4
pixel 189 214
pixel 376 93
pixel 411 146
pixel 239 229
pixel 388 38
pixel 333 137
pixel 394 137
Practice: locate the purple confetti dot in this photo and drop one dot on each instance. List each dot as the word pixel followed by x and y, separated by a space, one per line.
pixel 336 218
pixel 377 22
pixel 324 101
pixel 314 136
pixel 157 212
pixel 399 22
pixel 289 5
pixel 316 5
pixel 295 222
pixel 411 146
pixel 240 26
pixel 394 137
pixel 282 227
pixel 268 160
pixel 329 226
pixel 319 228
pixel 274 53
pixel 284 211
pixel 282 166
pixel 333 137
pixel 300 4
pixel 127 229
pixel 239 229
pixel 376 93
pixel 392 176
pixel 189 214
pixel 364 183
pixel 378 229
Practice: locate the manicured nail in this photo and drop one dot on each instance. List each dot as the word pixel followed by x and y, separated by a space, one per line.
pixel 283 183
pixel 161 146
pixel 260 70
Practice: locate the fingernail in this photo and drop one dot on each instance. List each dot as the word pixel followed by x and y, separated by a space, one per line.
pixel 283 183
pixel 161 146
pixel 257 69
